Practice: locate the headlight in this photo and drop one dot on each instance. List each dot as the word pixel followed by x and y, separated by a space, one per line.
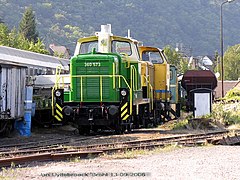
pixel 58 93
pixel 123 92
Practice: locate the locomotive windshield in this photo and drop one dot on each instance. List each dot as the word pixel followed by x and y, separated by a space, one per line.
pixel 87 47
pixel 121 47
pixel 153 57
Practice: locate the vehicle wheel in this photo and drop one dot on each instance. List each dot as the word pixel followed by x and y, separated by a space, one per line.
pixel 119 128
pixel 129 128
pixel 84 130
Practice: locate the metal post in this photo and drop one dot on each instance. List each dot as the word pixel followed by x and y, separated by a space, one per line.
pixel 221 41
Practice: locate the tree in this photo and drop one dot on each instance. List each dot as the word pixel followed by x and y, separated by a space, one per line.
pixel 27 25
pixel 232 63
pixel 176 59
pixel 3 34
pixel 38 47
pixel 12 38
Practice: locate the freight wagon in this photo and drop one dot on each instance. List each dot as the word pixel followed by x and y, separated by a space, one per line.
pixel 12 95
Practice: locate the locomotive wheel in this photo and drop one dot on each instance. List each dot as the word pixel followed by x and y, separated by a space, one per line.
pixel 145 122
pixel 83 130
pixel 155 120
pixel 119 128
pixel 129 127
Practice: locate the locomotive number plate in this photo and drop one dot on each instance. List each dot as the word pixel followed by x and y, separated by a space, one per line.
pixel 92 64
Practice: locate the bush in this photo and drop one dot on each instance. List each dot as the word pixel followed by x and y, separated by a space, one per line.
pixel 233 94
pixel 227 114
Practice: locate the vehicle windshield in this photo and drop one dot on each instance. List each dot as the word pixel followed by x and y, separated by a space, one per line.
pixel 153 57
pixel 121 47
pixel 87 47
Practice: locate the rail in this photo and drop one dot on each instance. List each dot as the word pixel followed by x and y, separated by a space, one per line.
pixel 16 156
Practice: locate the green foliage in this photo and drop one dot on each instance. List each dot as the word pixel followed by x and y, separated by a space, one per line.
pixel 172 54
pixel 59 16
pixel 17 40
pixel 182 124
pixel 176 59
pixel 60 55
pixel 233 94
pixel 27 26
pixel 227 114
pixel 232 63
pixel 38 47
pixel 194 23
pixel 3 34
pixel 47 5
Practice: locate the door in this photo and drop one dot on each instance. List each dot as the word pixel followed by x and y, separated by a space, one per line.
pixel 202 104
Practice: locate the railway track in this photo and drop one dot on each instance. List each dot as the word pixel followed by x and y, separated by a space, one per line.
pixel 62 151
pixel 49 143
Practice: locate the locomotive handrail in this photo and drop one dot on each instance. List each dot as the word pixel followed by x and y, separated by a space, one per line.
pixel 94 76
pixel 133 77
pixel 101 98
pixel 58 72
pixel 127 65
pixel 113 75
pixel 151 97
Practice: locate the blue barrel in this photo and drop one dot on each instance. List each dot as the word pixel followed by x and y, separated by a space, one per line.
pixel 23 127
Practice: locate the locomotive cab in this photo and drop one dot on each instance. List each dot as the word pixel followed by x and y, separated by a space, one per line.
pixel 164 93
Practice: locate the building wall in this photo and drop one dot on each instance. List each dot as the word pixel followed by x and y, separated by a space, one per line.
pixel 227 85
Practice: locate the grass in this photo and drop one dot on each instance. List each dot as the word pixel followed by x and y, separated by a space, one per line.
pixel 8 173
pixel 182 124
pixel 130 154
pixel 224 114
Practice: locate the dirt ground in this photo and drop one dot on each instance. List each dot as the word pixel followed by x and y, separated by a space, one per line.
pixel 208 162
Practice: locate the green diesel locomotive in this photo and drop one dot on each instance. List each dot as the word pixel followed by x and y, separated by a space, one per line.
pixel 103 89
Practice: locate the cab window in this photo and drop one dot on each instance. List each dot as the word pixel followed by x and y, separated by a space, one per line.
pixel 121 47
pixel 87 47
pixel 153 57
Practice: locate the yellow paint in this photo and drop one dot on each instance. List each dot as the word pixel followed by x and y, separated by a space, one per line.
pixel 123 107
pixel 59 107
pixel 59 114
pixel 126 117
pixel 57 118
pixel 101 84
pixel 124 112
pixel 157 74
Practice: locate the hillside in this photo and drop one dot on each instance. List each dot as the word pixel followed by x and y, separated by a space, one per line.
pixel 195 23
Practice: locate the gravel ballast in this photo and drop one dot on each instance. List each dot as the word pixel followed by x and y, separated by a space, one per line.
pixel 207 162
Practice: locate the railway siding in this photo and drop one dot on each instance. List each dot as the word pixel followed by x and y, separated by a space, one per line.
pixel 67 150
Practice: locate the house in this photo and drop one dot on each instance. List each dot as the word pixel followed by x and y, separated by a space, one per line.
pixel 227 85
pixel 60 51
pixel 207 62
